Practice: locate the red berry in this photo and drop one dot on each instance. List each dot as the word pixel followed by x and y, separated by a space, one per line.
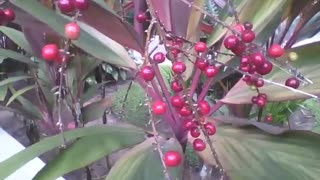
pixel 247 25
pixel 141 17
pixel 239 49
pixel 211 71
pixel 159 107
pixel 178 67
pixel 188 124
pixel 2 16
pixel 230 42
pixel 203 107
pixel 259 83
pixel 292 82
pixel 210 128
pixel 245 60
pixel 253 69
pixel 254 99
pixel 66 6
pixel 266 68
pixel 248 36
pixel 50 52
pixel 200 47
pixel 246 78
pixel 258 59
pixel 268 118
pixel 199 145
pixel 81 4
pixel 245 68
pixel 201 64
pixel 176 86
pixel 172 158
pixel 159 57
pixel 175 52
pixel 275 51
pixel 239 28
pixel 177 101
pixel 261 102
pixel 185 111
pixel 262 96
pixel 147 73
pixel 9 14
pixel 195 132
pixel 72 31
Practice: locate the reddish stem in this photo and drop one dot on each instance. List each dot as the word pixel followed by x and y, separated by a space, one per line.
pixel 195 82
pixel 205 89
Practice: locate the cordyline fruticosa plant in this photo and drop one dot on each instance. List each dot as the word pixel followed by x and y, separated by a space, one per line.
pixel 64 41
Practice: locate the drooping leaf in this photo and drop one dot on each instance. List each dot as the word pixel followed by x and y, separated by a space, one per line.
pixel 307 65
pixel 18 93
pixel 144 163
pixel 17 37
pixel 3 92
pixel 194 20
pixel 13 163
pixel 87 150
pixel 13 79
pixel 16 56
pixel 95 110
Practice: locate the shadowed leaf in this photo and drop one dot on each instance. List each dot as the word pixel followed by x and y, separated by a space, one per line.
pixel 95 110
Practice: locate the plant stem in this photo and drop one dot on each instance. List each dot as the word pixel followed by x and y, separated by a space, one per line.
pixel 205 89
pixel 195 81
pixel 60 124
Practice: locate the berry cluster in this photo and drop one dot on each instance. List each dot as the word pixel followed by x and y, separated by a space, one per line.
pixel 6 15
pixel 70 6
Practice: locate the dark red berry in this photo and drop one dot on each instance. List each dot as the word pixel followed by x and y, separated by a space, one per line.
pixel 259 83
pixel 200 47
pixel 201 64
pixel 66 6
pixel 246 78
pixel 81 4
pixel 275 51
pixel 177 101
pixel 266 68
pixel 230 42
pixel 159 57
pixel 50 52
pixel 239 28
pixel 245 68
pixel 141 17
pixel 254 99
pixel 195 132
pixel 268 118
pixel 159 107
pixel 245 60
pixel 248 36
pixel 176 86
pixel 261 102
pixel 178 67
pixel 199 145
pixel 247 25
pixel 258 59
pixel 253 69
pixel 72 31
pixel 2 16
pixel 292 82
pixel 188 124
pixel 175 52
pixel 210 128
pixel 9 14
pixel 239 49
pixel 203 107
pixel 211 71
pixel 172 158
pixel 262 96
pixel 147 73
pixel 185 111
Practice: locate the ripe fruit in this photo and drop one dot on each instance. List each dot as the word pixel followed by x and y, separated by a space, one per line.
pixel 247 25
pixel 245 68
pixel 195 132
pixel 188 124
pixel 159 57
pixel 81 4
pixel 172 158
pixel 259 83
pixel 253 69
pixel 258 59
pixel 9 14
pixel 254 99
pixel 159 107
pixel 245 60
pixel 176 86
pixel 268 118
pixel 185 111
pixel 147 73
pixel 201 64
pixel 200 47
pixel 199 145
pixel 238 27
pixel 210 128
pixel 293 56
pixel 275 51
pixel 177 101
pixel 178 67
pixel 230 42
pixel 263 96
pixel 66 6
pixel 239 49
pixel 50 52
pixel 72 31
pixel 292 82
pixel 2 17
pixel 141 17
pixel 203 107
pixel 175 52
pixel 211 71
pixel 265 68
pixel 261 102
pixel 248 36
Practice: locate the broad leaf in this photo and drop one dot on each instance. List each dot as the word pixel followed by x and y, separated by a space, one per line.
pixel 95 110
pixel 16 56
pixel 10 165
pixel 18 93
pixel 17 37
pixel 194 20
pixel 13 79
pixel 3 92
pixel 307 65
pixel 144 163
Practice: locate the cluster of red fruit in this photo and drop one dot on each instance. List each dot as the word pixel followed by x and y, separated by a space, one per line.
pixel 69 6
pixel 6 15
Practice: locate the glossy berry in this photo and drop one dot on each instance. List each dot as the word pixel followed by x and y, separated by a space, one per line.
pixel 185 111
pixel 259 83
pixel 266 68
pixel 188 124
pixel 172 158
pixel 66 6
pixel 247 25
pixel 175 52
pixel 178 67
pixel 253 69
pixel 159 57
pixel 238 27
pixel 239 49
pixel 258 59
pixel 176 86
pixel 201 64
pixel 261 102
pixel 230 42
pixel 199 145
pixel 177 101
pixel 245 60
pixel 244 68
pixel 195 132
pixel 210 128
pixel 292 82
pixel 203 107
pixel 211 71
pixel 254 99
pixel 50 52
pixel 248 36
pixel 200 47
pixel 159 107
pixel 262 96
pixel 81 4
pixel 275 51
pixel 72 31
pixel 268 118
pixel 9 14
pixel 141 17
pixel 147 73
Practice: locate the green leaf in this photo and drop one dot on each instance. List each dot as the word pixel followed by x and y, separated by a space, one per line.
pixel 95 110
pixel 194 20
pixel 87 150
pixel 18 93
pixel 307 65
pixel 10 165
pixel 13 79
pixel 251 154
pixel 91 92
pixel 16 56
pixel 17 37
pixel 115 74
pixel 144 163
pixel 3 92
pixel 91 40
